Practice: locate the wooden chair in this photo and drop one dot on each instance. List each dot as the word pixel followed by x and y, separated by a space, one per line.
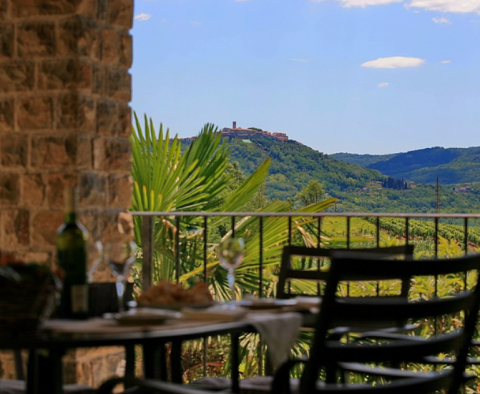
pixel 289 273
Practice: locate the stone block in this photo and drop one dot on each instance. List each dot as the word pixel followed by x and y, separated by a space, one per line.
pixel 92 190
pixel 83 154
pixel 16 227
pixel 110 47
pixel 98 80
pixel 120 191
pixel 125 121
pixel 107 118
pixel 14 151
pixel 3 9
pixel 32 190
pixel 35 113
pixel 29 8
pixel 126 50
pixel 9 188
pixel 44 227
pixel 78 36
pixel 6 116
pixel 118 85
pixel 112 155
pixel 36 38
pixel 76 112
pixel 6 40
pixel 65 74
pixel 121 13
pixel 54 152
pixel 56 185
pixel 16 77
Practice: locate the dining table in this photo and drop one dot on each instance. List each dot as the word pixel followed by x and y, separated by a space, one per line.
pixel 53 338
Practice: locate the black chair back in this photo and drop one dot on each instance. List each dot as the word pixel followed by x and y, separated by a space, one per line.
pixel 339 311
pixel 289 273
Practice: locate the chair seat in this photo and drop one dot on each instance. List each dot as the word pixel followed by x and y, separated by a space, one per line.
pixel 10 386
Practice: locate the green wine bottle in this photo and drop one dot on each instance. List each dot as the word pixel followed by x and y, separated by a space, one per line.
pixel 71 243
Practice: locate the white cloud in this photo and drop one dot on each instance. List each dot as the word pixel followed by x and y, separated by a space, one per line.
pixel 299 60
pixel 457 6
pixel 445 62
pixel 195 23
pixel 142 17
pixel 442 20
pixel 383 84
pixel 394 62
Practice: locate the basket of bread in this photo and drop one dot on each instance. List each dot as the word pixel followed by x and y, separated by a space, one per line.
pixel 174 296
pixel 27 293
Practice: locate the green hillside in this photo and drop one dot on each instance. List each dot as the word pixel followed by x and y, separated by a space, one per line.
pixel 450 166
pixel 362 160
pixel 357 188
pixel 294 165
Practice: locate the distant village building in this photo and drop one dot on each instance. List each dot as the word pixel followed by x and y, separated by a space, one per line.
pixel 242 133
pixel 466 189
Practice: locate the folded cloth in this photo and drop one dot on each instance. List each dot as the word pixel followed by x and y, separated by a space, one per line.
pixel 279 331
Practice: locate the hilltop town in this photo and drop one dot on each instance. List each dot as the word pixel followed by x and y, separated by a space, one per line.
pixel 240 132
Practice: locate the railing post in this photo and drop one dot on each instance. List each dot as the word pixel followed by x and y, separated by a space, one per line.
pixel 147 250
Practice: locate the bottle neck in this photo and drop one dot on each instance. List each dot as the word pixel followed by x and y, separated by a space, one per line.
pixel 70 217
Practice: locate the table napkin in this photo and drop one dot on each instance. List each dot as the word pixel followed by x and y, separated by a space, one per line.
pixel 279 331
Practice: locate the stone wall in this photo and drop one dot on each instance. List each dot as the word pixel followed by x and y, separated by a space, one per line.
pixel 64 121
pixel 64 117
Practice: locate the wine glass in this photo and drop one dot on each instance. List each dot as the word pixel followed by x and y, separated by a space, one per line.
pixel 94 257
pixel 120 257
pixel 230 252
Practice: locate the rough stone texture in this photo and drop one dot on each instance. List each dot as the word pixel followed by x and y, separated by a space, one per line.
pixel 6 115
pixel 92 190
pixel 64 120
pixel 112 155
pixel 76 112
pixel 30 8
pixel 120 13
pixel 6 41
pixel 78 36
pixel 35 113
pixel 61 74
pixel 56 184
pixel 118 85
pixel 16 76
pixel 36 39
pixel 44 227
pixel 54 152
pixel 120 190
pixel 9 189
pixel 16 228
pixel 32 190
pixel 13 151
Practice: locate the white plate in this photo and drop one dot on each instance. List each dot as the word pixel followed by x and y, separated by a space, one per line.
pixel 143 316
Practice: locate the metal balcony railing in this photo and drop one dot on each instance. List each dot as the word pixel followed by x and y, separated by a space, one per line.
pixel 375 218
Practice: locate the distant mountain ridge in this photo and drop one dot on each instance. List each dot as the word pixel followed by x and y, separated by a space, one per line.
pixel 449 165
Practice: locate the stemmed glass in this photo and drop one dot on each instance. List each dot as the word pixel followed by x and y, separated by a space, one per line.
pixel 94 255
pixel 120 257
pixel 230 252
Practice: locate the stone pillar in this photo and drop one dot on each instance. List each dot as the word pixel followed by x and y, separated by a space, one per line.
pixel 64 118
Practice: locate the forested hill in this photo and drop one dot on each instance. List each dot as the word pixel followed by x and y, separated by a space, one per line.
pixel 450 166
pixel 357 188
pixel 294 165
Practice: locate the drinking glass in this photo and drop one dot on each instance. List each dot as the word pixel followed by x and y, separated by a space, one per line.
pixel 120 257
pixel 230 252
pixel 94 257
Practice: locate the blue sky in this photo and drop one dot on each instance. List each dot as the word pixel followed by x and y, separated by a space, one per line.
pixel 358 76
